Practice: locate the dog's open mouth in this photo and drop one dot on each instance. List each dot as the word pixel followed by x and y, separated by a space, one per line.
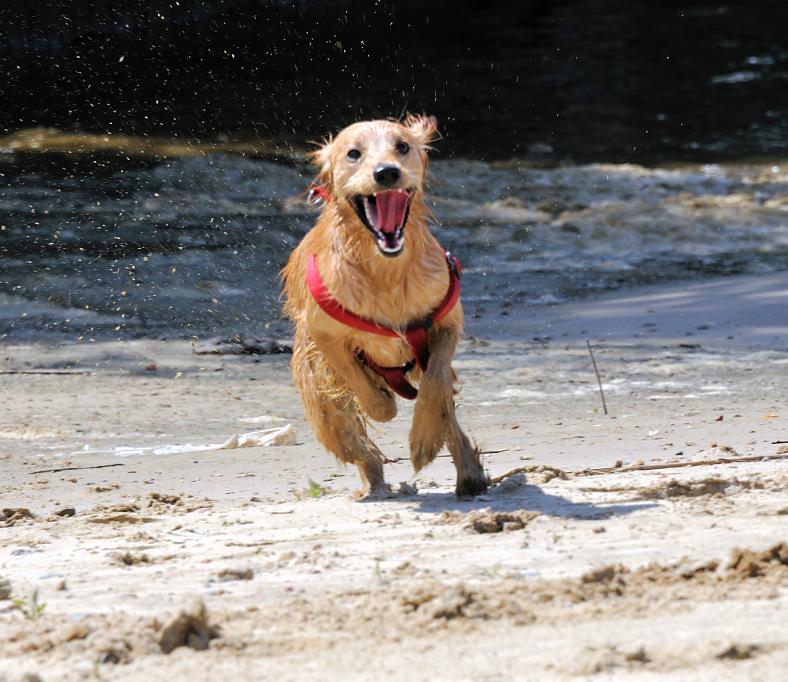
pixel 385 214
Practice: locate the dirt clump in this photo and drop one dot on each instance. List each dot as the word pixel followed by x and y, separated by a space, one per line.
pixel 190 627
pixel 601 575
pixel 10 516
pixel 164 503
pixel 65 512
pixel 105 487
pixel 119 508
pixel 230 574
pixel 74 632
pixel 693 570
pixel 447 603
pixel 746 563
pixel 739 652
pixel 437 602
pixel 129 559
pixel 163 500
pixel 495 522
pixel 488 521
pixel 609 658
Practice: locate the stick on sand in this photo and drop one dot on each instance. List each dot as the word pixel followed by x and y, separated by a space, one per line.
pixel 96 466
pixel 598 380
pixel 528 468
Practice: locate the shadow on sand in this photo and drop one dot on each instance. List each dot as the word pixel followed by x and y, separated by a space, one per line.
pixel 523 497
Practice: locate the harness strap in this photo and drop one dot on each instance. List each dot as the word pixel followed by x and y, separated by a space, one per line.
pixel 415 333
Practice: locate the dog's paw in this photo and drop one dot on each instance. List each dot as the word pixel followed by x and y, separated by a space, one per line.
pixel 424 445
pixel 378 405
pixel 381 491
pixel 471 485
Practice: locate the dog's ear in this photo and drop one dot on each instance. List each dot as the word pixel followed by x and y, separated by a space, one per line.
pixel 423 128
pixel 321 159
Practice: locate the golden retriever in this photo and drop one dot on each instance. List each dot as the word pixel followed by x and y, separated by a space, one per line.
pixel 374 301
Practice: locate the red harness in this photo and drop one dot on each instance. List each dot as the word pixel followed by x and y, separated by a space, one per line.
pixel 415 333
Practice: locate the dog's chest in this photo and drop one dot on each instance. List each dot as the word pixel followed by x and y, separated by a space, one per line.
pixel 391 303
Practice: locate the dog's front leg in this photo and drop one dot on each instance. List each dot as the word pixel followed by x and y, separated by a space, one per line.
pixel 435 421
pixel 334 415
pixel 376 402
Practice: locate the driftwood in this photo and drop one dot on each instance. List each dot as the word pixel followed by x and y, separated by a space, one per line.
pixel 679 465
pixel 647 467
pixel 386 460
pixel 64 372
pixel 96 466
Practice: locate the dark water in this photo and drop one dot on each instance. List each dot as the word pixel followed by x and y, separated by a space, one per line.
pixel 577 80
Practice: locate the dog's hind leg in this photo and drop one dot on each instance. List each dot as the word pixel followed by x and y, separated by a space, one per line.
pixel 334 416
pixel 435 421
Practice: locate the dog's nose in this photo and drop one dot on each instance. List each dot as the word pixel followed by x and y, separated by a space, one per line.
pixel 386 176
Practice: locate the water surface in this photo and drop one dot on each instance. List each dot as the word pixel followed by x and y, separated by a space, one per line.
pixel 97 247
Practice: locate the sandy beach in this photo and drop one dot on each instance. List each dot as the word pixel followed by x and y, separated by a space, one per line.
pixel 648 543
pixel 613 180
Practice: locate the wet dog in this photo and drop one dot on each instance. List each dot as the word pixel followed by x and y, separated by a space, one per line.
pixel 375 303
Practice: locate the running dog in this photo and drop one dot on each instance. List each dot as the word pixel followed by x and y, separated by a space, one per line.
pixel 375 303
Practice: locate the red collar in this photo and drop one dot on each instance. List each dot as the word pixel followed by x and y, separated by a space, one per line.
pixel 415 333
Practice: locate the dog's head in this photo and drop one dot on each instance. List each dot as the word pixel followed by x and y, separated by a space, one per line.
pixel 374 170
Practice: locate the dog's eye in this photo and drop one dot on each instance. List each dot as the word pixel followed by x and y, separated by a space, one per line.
pixel 402 147
pixel 354 154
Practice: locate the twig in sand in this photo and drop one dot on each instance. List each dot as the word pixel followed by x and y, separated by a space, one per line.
pixel 679 465
pixel 645 467
pixel 97 466
pixel 530 468
pixel 596 371
pixel 64 372
pixel 386 460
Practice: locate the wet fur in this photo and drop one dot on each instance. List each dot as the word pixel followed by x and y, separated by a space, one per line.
pixel 338 391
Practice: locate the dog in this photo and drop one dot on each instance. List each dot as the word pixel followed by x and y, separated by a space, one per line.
pixel 375 304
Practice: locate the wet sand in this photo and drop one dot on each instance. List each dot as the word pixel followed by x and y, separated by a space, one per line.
pixel 560 571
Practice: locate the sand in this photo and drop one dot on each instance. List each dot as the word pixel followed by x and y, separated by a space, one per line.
pixel 256 563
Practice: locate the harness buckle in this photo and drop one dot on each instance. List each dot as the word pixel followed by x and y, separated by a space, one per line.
pixel 452 261
pixel 317 195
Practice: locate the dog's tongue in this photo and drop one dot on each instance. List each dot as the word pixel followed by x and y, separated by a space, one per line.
pixel 391 207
